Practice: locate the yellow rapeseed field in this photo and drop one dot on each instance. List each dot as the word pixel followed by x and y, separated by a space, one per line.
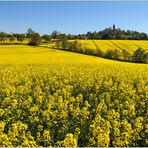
pixel 56 98
pixel 104 45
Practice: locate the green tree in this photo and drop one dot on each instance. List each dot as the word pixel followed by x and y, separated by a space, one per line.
pixel 138 56
pixel 112 54
pixel 70 36
pixel 21 37
pixel 58 44
pixel 62 42
pixel 11 38
pixel 2 37
pixel 35 40
pixel 54 34
pixel 46 37
pixel 145 60
pixel 30 33
pixel 126 55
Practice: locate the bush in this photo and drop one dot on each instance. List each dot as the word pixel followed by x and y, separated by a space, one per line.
pixel 99 53
pixel 112 54
pixel 126 55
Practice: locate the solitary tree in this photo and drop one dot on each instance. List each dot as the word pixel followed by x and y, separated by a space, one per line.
pixel 35 40
pixel 54 34
pixel 30 33
pixel 2 37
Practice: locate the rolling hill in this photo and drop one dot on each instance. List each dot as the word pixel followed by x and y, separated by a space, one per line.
pixel 104 45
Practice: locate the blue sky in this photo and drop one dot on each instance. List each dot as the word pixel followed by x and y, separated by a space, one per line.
pixel 72 17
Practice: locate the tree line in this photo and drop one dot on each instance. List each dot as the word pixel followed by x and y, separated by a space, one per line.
pixel 113 33
pixel 110 33
pixel 34 38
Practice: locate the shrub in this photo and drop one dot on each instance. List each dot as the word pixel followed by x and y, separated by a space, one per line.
pixel 112 54
pixel 126 55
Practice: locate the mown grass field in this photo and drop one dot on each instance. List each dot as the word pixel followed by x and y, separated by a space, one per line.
pixel 56 98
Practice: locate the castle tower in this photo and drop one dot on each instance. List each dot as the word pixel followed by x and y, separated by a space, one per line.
pixel 114 27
